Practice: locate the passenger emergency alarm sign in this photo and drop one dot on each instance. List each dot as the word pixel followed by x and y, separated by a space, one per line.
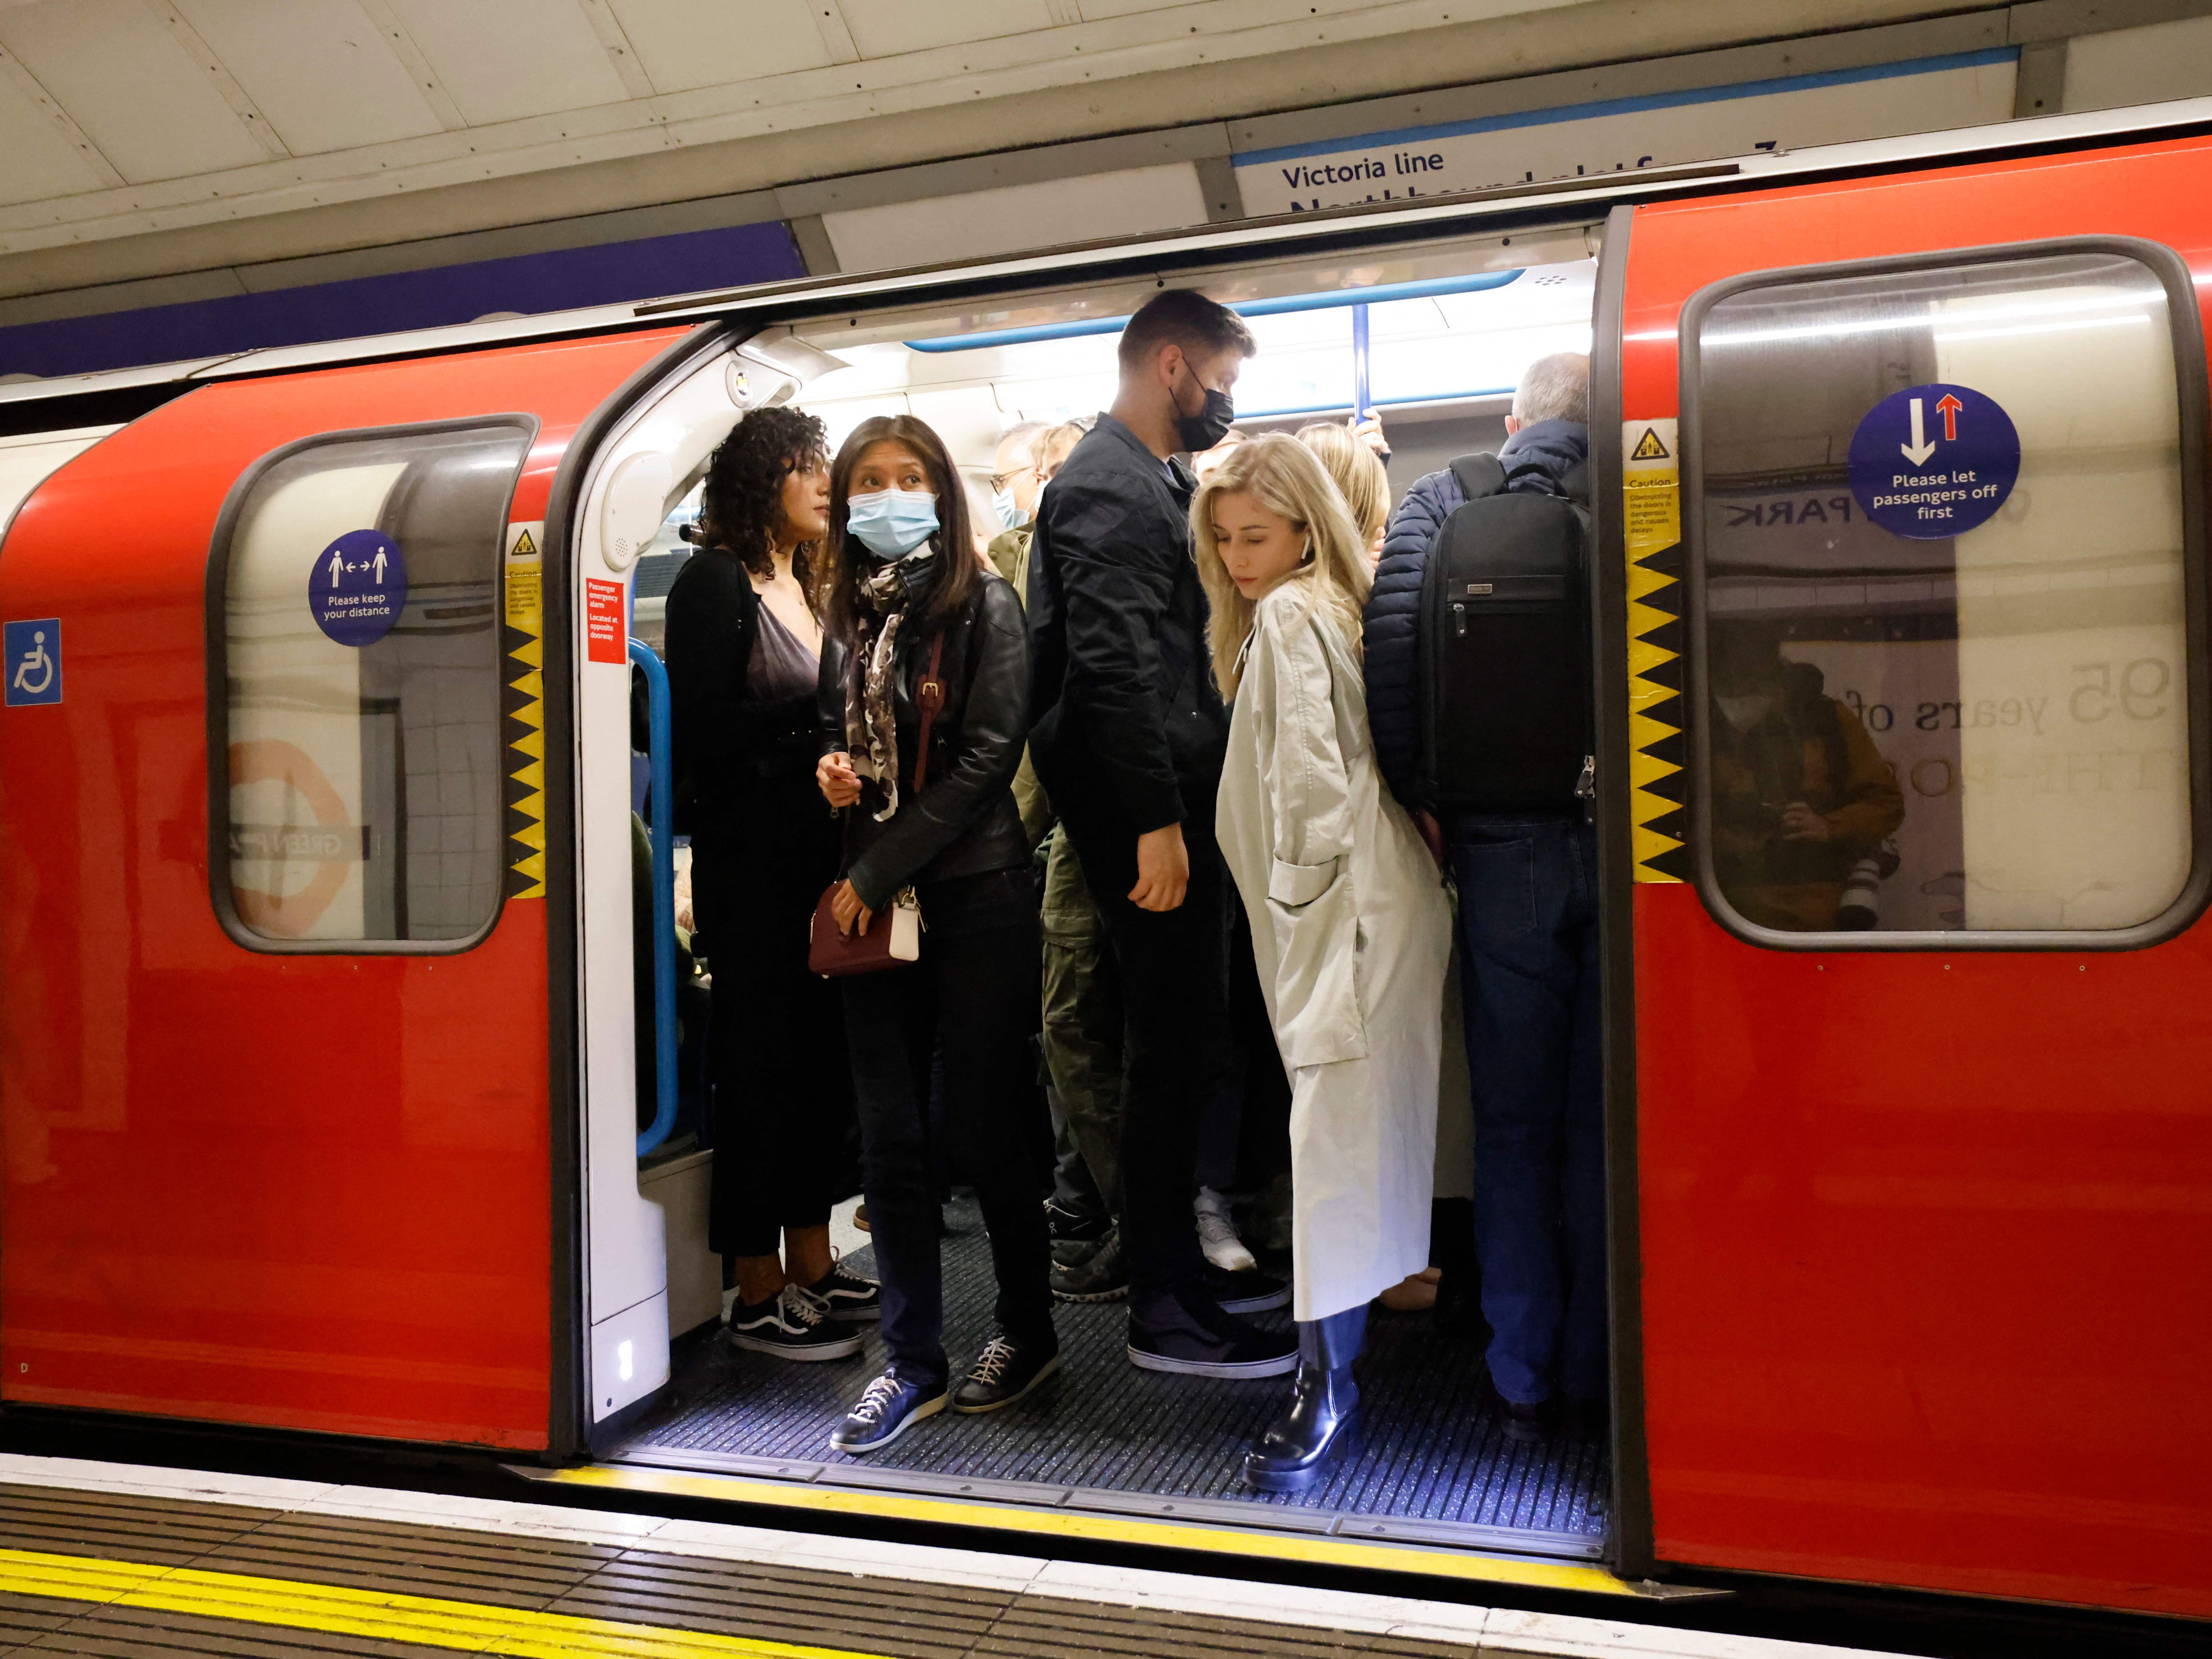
pixel 1934 460
pixel 358 587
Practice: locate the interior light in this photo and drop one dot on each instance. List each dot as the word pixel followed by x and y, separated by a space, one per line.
pixel 625 1361
pixel 1929 319
pixel 2042 328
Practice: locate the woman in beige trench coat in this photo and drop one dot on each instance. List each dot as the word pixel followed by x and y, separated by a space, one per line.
pixel 1351 929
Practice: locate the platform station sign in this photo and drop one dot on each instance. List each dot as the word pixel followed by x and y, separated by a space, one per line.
pixel 1934 460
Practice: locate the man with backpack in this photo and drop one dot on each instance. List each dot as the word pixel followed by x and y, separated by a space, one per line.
pixel 1478 668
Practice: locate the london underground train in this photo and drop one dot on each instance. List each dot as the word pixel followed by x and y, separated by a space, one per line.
pixel 320 998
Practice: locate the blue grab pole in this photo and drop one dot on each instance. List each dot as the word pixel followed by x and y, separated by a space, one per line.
pixel 664 900
pixel 1360 406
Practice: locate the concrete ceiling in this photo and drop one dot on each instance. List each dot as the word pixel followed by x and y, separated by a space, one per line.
pixel 138 137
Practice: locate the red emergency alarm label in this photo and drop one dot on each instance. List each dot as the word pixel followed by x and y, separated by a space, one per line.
pixel 604 622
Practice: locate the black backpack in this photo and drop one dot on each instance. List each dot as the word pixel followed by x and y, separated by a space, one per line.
pixel 1506 719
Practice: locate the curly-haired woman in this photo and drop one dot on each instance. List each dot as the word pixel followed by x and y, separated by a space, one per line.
pixel 743 649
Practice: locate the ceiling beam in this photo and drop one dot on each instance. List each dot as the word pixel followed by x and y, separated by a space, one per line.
pixel 241 102
pixel 836 33
pixel 411 59
pixel 614 39
pixel 76 137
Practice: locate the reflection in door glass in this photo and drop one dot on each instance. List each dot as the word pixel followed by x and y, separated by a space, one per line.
pixel 361 655
pixel 1943 547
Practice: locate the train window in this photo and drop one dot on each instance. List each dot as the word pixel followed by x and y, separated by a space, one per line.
pixel 1945 555
pixel 356 638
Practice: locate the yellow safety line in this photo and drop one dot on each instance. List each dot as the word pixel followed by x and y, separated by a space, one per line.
pixel 385 1616
pixel 1107 1528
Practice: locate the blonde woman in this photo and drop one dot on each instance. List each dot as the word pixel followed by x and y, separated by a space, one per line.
pixel 1359 476
pixel 1350 927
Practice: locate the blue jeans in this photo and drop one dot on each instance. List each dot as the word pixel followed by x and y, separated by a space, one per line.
pixel 1529 967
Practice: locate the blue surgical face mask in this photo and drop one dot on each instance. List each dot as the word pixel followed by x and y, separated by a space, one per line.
pixel 1010 515
pixel 892 523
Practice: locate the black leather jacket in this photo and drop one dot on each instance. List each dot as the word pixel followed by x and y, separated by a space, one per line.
pixel 964 822
pixel 1129 729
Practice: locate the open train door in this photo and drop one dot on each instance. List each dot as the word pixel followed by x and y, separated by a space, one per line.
pixel 281 1145
pixel 1915 519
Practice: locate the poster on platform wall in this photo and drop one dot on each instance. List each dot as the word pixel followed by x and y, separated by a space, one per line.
pixel 1621 135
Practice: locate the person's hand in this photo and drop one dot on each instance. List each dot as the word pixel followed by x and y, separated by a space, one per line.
pixel 1368 431
pixel 847 910
pixel 1163 869
pixel 1432 835
pixel 840 784
pixel 1801 822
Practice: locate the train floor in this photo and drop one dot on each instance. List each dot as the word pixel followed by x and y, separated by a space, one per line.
pixel 1428 1464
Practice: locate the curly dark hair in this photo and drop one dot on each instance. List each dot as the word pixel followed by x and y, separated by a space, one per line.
pixel 741 503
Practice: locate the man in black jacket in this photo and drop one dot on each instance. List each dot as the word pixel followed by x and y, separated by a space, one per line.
pixel 1127 737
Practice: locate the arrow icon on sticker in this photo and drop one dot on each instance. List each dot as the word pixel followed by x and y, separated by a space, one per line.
pixel 1920 448
pixel 1949 409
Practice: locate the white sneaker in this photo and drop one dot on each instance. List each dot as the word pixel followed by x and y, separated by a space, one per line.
pixel 1217 1235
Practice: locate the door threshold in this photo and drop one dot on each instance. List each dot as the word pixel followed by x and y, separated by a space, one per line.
pixel 1099 1500
pixel 1444 1550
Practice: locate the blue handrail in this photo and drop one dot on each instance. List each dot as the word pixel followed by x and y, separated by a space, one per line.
pixel 1377 294
pixel 664 899
pixel 1361 408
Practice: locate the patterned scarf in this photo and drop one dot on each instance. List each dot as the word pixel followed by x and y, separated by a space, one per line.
pixel 871 724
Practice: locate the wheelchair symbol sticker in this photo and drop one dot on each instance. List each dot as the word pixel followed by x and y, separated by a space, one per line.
pixel 34 661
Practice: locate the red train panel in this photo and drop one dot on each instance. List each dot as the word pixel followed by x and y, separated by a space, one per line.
pixel 1925 1235
pixel 307 1191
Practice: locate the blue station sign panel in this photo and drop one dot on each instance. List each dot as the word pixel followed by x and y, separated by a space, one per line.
pixel 1934 460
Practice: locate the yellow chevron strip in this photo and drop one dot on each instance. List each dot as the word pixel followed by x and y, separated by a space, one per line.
pixel 1093 1527
pixel 524 610
pixel 377 1615
pixel 1651 484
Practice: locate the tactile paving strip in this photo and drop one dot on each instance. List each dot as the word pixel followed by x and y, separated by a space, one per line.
pixel 1426 1453
pixel 596 1600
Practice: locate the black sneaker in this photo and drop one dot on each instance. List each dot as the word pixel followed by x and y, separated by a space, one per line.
pixel 1245 1293
pixel 848 1298
pixel 886 1409
pixel 791 1324
pixel 1527 1425
pixel 1192 1337
pixel 1007 1369
pixel 1065 1226
pixel 1098 1275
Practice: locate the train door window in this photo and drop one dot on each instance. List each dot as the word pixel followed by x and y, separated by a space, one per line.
pixel 1947 534
pixel 355 651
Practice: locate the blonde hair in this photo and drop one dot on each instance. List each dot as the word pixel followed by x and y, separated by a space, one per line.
pixel 1357 471
pixel 1286 478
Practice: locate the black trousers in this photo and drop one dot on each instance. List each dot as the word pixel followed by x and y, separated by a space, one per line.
pixel 971 1002
pixel 1172 966
pixel 782 1102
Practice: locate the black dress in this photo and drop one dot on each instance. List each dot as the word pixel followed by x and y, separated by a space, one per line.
pixel 764 844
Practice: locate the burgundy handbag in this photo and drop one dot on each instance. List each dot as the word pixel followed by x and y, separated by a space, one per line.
pixel 893 939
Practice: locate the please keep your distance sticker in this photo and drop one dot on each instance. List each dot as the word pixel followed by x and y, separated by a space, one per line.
pixel 1934 460
pixel 358 586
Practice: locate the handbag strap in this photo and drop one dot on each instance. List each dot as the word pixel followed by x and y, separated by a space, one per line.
pixel 929 698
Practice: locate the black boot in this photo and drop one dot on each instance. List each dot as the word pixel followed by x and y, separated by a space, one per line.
pixel 1292 1452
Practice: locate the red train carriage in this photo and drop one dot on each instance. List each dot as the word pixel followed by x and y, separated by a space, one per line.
pixel 319 1044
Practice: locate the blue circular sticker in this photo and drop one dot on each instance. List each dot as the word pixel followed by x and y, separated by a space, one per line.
pixel 358 587
pixel 1934 460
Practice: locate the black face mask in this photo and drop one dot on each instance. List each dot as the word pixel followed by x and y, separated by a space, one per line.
pixel 1205 429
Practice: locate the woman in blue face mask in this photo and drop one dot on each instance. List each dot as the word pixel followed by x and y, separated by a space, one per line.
pixel 917 633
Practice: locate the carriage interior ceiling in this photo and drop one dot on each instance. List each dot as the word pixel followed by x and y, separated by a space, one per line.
pixel 1436 334
pixel 1449 330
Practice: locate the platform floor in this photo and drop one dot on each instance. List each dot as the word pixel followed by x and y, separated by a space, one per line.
pixel 136 1562
pixel 1429 1464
